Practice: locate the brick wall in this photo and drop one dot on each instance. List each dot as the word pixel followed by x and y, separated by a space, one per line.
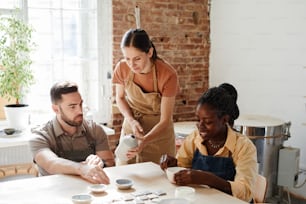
pixel 179 30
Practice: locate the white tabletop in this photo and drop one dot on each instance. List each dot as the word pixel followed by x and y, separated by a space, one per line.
pixel 60 188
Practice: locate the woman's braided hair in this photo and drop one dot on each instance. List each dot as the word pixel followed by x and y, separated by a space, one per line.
pixel 233 92
pixel 222 102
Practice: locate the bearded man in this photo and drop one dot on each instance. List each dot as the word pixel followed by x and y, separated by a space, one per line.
pixel 69 144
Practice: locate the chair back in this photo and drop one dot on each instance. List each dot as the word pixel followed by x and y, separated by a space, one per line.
pixel 18 171
pixel 261 185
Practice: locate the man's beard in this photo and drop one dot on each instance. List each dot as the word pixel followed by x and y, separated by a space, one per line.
pixel 71 122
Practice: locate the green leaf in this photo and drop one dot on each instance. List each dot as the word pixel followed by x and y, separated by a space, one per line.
pixel 16 44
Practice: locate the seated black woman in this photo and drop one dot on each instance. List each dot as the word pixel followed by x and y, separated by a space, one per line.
pixel 215 154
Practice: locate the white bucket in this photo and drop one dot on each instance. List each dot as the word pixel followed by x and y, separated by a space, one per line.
pixel 17 116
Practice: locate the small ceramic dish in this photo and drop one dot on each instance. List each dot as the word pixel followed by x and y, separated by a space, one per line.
pixel 124 184
pixel 185 192
pixel 9 131
pixel 97 188
pixel 81 199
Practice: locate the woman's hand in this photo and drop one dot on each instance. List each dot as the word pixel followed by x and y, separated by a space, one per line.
pixel 189 176
pixel 167 161
pixel 134 151
pixel 137 129
pixel 183 177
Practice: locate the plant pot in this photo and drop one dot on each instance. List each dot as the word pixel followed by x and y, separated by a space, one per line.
pixel 17 116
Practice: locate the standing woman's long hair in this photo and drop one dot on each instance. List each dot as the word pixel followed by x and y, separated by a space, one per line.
pixel 139 39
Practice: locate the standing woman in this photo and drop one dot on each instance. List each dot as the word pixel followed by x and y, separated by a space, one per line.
pixel 146 87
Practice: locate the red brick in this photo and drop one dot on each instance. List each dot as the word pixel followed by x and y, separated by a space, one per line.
pixel 181 42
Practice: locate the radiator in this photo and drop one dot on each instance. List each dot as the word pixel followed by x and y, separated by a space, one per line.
pixel 15 155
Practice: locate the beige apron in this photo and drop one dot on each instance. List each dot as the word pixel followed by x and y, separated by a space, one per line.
pixel 146 110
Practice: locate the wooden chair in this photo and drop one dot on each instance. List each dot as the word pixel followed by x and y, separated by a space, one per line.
pixel 18 171
pixel 261 185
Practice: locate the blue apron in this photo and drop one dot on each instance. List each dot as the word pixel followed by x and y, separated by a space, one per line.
pixel 220 166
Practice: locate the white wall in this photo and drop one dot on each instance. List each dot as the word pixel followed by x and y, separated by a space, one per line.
pixel 260 47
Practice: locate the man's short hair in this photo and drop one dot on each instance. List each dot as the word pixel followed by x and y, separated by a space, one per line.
pixel 60 88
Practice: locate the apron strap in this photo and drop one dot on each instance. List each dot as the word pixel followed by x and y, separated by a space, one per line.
pixel 154 78
pixel 155 88
pixel 90 141
pixel 59 147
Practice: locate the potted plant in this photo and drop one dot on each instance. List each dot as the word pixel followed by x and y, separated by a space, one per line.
pixel 16 76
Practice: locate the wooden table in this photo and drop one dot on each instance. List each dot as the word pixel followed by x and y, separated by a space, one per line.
pixel 59 188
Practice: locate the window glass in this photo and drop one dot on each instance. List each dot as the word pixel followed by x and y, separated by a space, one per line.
pixel 66 37
pixel 9 4
pixel 67 49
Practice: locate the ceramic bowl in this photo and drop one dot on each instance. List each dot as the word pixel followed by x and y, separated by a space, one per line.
pixel 124 184
pixel 9 131
pixel 97 188
pixel 185 192
pixel 170 171
pixel 81 199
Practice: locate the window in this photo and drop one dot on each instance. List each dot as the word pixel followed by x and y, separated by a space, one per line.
pixel 73 40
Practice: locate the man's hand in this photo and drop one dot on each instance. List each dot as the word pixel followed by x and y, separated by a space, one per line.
pixel 94 160
pixel 93 174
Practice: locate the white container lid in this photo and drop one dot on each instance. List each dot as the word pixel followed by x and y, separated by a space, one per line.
pixel 250 120
pixel 184 128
